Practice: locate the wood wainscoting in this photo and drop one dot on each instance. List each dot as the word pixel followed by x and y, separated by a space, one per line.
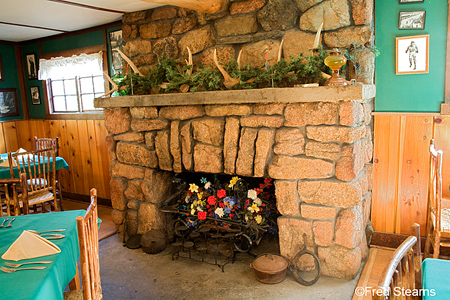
pixel 82 144
pixel 401 166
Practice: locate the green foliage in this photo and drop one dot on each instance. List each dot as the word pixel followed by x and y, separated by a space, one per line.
pixel 169 75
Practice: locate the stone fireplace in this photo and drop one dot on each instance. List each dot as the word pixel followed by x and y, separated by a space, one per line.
pixel 315 143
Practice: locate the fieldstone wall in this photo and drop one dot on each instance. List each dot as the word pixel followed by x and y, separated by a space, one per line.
pixel 252 26
pixel 319 154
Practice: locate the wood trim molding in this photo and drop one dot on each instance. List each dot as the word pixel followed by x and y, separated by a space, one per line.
pixel 445 107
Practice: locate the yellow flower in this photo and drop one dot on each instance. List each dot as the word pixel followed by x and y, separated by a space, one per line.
pixel 254 208
pixel 193 188
pixel 258 219
pixel 200 195
pixel 192 211
pixel 233 181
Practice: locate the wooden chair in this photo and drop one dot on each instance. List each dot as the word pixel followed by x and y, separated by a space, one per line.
pixel 404 270
pixel 44 143
pixel 12 199
pixel 87 227
pixel 38 168
pixel 438 223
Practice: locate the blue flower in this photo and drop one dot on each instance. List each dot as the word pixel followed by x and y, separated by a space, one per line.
pixel 203 180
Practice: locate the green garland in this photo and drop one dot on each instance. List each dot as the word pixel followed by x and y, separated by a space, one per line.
pixel 169 75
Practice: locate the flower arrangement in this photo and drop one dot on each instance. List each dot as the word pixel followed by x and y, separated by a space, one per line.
pixel 229 203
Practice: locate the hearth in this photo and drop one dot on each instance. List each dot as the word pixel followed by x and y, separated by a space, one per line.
pixel 315 143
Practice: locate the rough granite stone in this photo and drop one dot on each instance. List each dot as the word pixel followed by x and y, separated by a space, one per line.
pixel 134 190
pixel 238 25
pixel 323 233
pixel 148 125
pixel 263 152
pixel 187 146
pixel 344 37
pixel 117 120
pixel 340 262
pixel 315 113
pixel 132 222
pixel 291 230
pixel 287 197
pixel 292 47
pixel 150 140
pixel 334 14
pixel 144 112
pixel 353 159
pixel 117 216
pixel 278 15
pixel 143 60
pixel 181 112
pixel 137 137
pixel 317 212
pixel 230 145
pixel 136 154
pixel 227 110
pixel 350 227
pixel 197 40
pixel 304 5
pixel 286 167
pixel 262 121
pixel 268 109
pixel 330 193
pixel 166 12
pixel 155 30
pixel 254 55
pixel 130 31
pixel 246 6
pixel 323 150
pixel 150 218
pixel 224 55
pixel 328 134
pixel 128 171
pixel 156 186
pixel 289 141
pixel 246 152
pixel 184 24
pixel 162 145
pixel 209 131
pixel 134 16
pixel 167 46
pixel 208 159
pixel 117 188
pixel 175 146
pixel 350 113
pixel 111 145
pixel 362 11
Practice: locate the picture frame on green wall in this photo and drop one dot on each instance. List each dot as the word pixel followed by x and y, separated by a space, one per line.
pixel 2 75
pixel 411 20
pixel 412 54
pixel 409 1
pixel 35 98
pixel 32 66
pixel 9 103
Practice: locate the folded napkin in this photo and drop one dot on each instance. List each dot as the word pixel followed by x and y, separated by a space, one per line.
pixel 30 245
pixel 5 163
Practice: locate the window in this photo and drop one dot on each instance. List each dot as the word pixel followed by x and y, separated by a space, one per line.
pixel 73 82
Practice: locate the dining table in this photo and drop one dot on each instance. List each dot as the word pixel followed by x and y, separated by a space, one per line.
pixel 48 283
pixel 5 172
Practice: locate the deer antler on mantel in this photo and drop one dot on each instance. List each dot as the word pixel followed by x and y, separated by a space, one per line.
pixel 115 86
pixel 132 65
pixel 228 81
pixel 206 6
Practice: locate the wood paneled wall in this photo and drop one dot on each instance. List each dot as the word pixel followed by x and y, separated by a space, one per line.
pixel 82 145
pixel 401 168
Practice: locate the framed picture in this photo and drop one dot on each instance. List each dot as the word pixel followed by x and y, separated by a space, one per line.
pixel 32 66
pixel 411 20
pixel 35 99
pixel 409 1
pixel 116 42
pixel 2 75
pixel 9 103
pixel 411 54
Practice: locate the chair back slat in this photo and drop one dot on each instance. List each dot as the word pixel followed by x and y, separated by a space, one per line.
pixel 11 189
pixel 44 143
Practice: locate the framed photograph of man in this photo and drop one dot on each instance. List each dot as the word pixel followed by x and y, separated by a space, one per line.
pixel 409 1
pixel 9 103
pixel 116 42
pixel 35 99
pixel 2 75
pixel 411 20
pixel 412 54
pixel 32 66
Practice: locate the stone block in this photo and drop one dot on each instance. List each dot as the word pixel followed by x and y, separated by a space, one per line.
pixel 350 113
pixel 323 150
pixel 323 233
pixel 137 47
pixel 155 30
pixel 234 39
pixel 111 145
pixel 238 25
pixel 162 148
pixel 134 190
pixel 366 206
pixel 369 168
pixel 291 230
pixel 224 55
pixel 148 125
pixel 367 113
pixel 208 159
pixel 142 60
pixel 144 112
pixel 133 204
pixel 227 110
pixel 286 167
pixel 167 46
pixel 156 186
pixel 262 121
pixel 334 14
pixel 128 171
pixel 287 197
pixel 263 152
pixel 254 55
pixel 246 152
pixel 353 159
pixel 314 113
pixel 132 222
pixel 209 131
pixel 343 38
pixel 289 141
pixel 268 109
pixel 340 262
pixel 187 146
pixel 350 227
pixel 185 24
pixel 278 15
pixel 246 6
pixel 317 212
pixel 166 12
pixel 292 47
pixel 134 16
pixel 135 154
pixel 129 31
pixel 150 218
pixel 117 188
pixel 342 134
pixel 363 180
pixel 330 193
pixel 117 120
pixel 117 216
pixel 230 145
pixel 181 112
pixel 362 11
pixel 197 40
pixel 150 140
pixel 175 146
pixel 304 5
pixel 137 137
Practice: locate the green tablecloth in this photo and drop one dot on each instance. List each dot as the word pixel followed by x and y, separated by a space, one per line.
pixel 5 173
pixel 49 283
pixel 436 279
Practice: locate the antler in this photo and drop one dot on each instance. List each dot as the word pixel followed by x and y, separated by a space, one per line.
pixel 229 81
pixel 132 65
pixel 189 62
pixel 280 49
pixel 115 86
pixel 317 38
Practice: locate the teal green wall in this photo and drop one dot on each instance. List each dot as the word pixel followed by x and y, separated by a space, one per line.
pixel 9 62
pixel 413 92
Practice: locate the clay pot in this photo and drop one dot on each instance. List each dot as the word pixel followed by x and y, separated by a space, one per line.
pixel 270 268
pixel 154 241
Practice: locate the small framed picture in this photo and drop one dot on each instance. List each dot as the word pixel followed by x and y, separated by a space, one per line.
pixel 35 99
pixel 9 103
pixel 412 54
pixel 2 76
pixel 116 42
pixel 409 1
pixel 32 66
pixel 411 20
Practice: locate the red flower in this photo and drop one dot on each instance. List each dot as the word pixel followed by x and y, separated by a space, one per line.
pixel 211 200
pixel 222 205
pixel 258 191
pixel 187 214
pixel 201 215
pixel 231 215
pixel 267 180
pixel 261 185
pixel 221 193
pixel 263 204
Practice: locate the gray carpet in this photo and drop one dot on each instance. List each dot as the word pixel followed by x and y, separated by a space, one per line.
pixel 133 274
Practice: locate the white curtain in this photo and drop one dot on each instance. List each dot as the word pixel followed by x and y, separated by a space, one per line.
pixel 69 67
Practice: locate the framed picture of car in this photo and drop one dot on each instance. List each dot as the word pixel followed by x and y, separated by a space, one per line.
pixel 411 20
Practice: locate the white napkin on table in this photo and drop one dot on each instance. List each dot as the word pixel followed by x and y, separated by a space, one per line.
pixel 30 245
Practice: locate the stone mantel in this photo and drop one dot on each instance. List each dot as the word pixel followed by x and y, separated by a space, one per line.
pixel 270 95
